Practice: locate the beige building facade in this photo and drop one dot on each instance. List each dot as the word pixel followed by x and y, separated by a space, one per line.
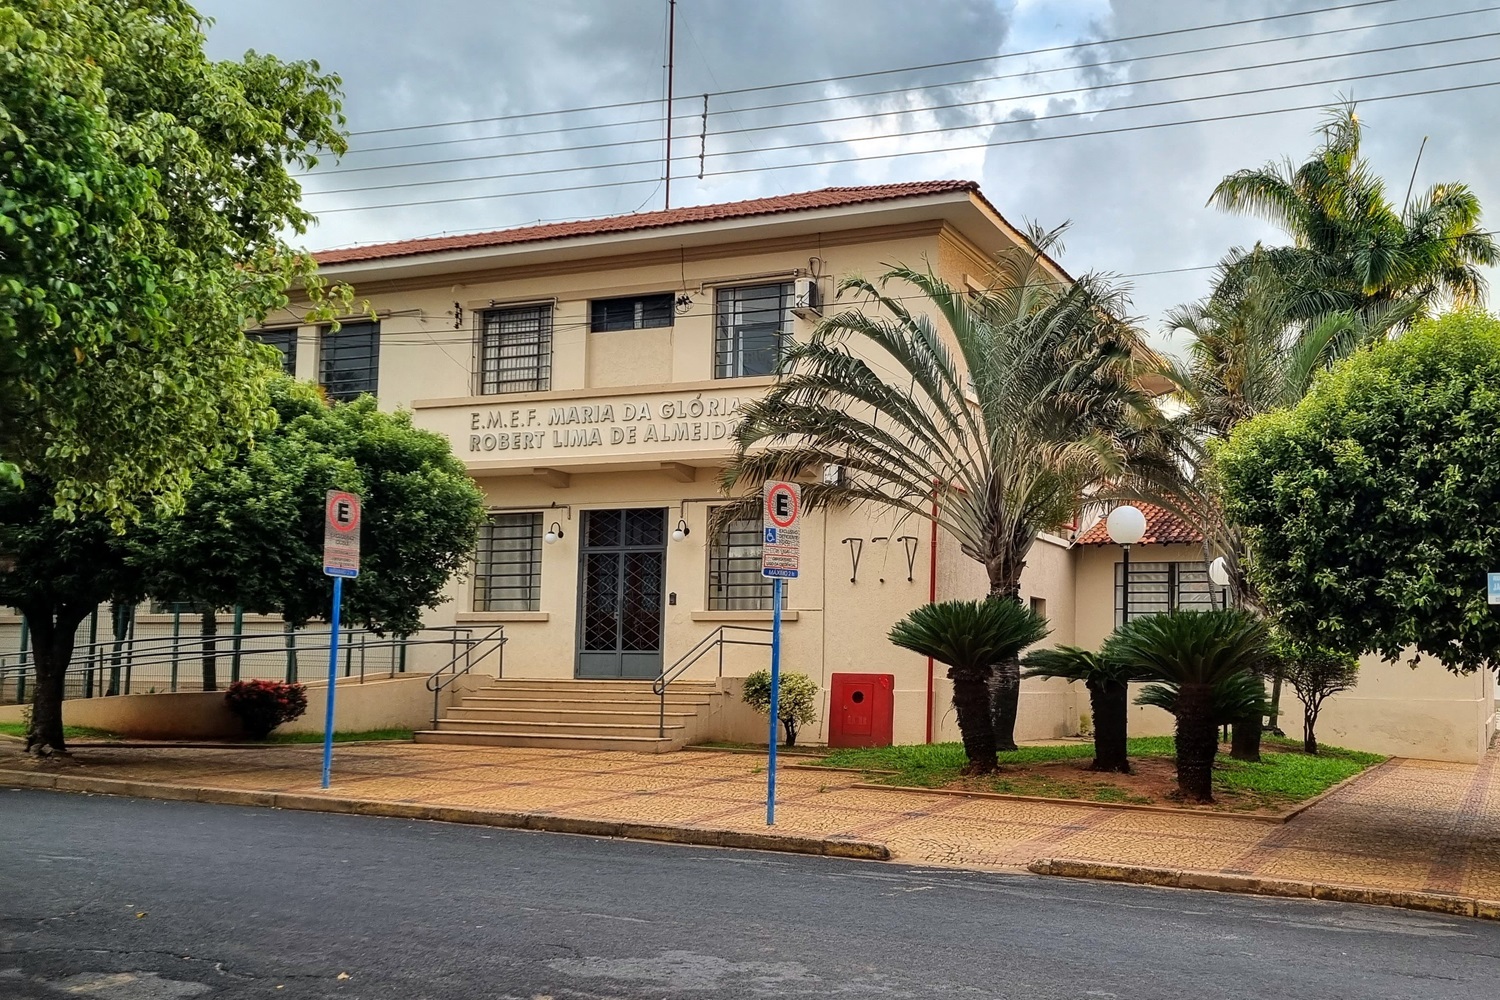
pixel 590 374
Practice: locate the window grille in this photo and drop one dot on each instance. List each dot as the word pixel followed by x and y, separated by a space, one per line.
pixel 734 580
pixel 508 563
pixel 351 360
pixel 643 312
pixel 1159 587
pixel 515 350
pixel 752 327
pixel 284 341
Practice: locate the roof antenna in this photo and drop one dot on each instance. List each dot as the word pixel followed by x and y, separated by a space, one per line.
pixel 671 59
pixel 1413 180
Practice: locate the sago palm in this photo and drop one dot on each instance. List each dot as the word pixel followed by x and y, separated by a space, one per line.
pixel 1237 698
pixel 1108 682
pixel 969 637
pixel 1195 650
pixel 991 412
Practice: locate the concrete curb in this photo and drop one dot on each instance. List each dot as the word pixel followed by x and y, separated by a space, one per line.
pixel 1432 902
pixel 864 850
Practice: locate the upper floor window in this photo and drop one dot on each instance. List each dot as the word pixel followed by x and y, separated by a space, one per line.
pixel 643 312
pixel 752 327
pixel 351 360
pixel 508 563
pixel 1158 587
pixel 734 580
pixel 284 341
pixel 515 349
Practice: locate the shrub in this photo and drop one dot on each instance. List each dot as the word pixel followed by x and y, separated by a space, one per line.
pixel 798 703
pixel 261 706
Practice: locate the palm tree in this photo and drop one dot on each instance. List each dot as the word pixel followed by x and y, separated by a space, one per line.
pixel 1108 682
pixel 1352 250
pixel 1195 650
pixel 1237 698
pixel 991 413
pixel 969 637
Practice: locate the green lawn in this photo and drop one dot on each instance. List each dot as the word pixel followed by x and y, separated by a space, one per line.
pixel 69 732
pixel 1284 777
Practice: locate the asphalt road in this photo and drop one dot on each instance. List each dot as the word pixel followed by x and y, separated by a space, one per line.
pixel 121 899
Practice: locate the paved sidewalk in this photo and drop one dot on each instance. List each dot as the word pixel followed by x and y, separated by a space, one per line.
pixel 1410 826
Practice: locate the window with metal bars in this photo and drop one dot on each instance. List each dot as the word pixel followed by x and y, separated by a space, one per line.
pixel 284 341
pixel 508 563
pixel 1159 587
pixel 351 360
pixel 515 350
pixel 640 312
pixel 752 325
pixel 734 580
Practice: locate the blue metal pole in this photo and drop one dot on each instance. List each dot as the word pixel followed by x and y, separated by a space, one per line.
pixel 775 699
pixel 333 676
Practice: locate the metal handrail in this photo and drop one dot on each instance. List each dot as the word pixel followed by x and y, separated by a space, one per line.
pixel 714 639
pixel 441 678
pixel 140 653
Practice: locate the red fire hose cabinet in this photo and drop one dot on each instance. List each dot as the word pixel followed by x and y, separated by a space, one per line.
pixel 861 710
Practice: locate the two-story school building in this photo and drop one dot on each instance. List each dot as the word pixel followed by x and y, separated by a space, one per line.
pixel 590 373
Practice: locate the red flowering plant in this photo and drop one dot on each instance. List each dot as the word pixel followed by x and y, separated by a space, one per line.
pixel 261 706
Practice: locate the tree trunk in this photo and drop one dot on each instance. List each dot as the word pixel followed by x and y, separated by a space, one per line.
pixel 791 731
pixel 1004 693
pixel 210 647
pixel 971 702
pixel 52 640
pixel 1309 724
pixel 1110 704
pixel 1246 743
pixel 1197 742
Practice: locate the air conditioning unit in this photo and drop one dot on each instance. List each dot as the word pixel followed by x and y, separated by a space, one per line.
pixel 807 301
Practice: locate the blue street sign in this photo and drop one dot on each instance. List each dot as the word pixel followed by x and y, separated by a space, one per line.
pixel 1494 580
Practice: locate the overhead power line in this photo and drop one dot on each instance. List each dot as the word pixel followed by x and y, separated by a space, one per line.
pixel 926 109
pixel 920 152
pixel 966 81
pixel 908 134
pixel 889 72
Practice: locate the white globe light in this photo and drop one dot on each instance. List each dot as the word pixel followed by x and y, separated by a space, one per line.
pixel 1126 525
pixel 550 537
pixel 1218 572
pixel 678 535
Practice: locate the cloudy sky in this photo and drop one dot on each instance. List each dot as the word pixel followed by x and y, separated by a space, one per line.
pixel 482 114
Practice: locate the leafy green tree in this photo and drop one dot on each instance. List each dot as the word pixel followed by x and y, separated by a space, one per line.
pixel 1108 682
pixel 1000 409
pixel 796 703
pixel 1196 651
pixel 969 637
pixel 1366 504
pixel 252 532
pixel 62 571
pixel 1316 673
pixel 1352 250
pixel 145 193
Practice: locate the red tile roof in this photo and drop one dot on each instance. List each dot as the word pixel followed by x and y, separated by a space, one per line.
pixel 834 197
pixel 1162 528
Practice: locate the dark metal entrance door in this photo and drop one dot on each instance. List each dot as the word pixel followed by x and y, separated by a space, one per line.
pixel 622 580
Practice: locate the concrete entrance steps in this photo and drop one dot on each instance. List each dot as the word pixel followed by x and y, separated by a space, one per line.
pixel 579 715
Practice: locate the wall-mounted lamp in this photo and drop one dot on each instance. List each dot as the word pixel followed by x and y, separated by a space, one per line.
pixel 553 533
pixel 681 531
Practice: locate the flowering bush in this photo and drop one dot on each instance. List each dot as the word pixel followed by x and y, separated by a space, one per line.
pixel 263 705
